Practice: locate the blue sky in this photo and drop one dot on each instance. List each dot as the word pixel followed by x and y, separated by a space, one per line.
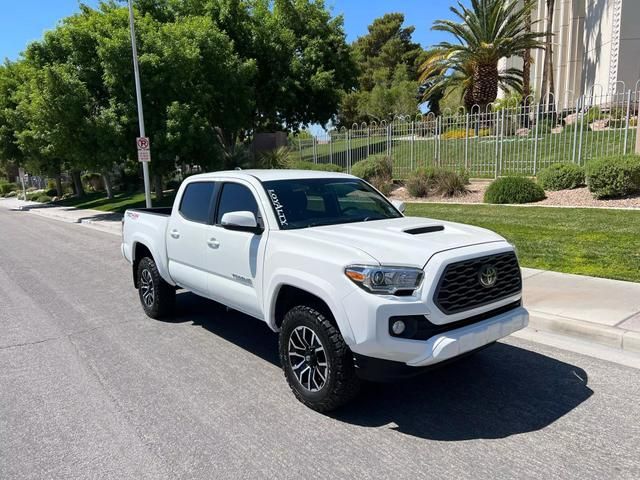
pixel 23 21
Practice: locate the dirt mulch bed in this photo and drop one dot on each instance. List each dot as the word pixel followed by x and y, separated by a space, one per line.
pixel 579 197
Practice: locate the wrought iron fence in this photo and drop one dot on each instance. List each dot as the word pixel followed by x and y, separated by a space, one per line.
pixel 518 138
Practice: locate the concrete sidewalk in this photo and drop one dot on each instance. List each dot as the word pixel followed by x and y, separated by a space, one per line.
pixel 593 310
pixel 105 221
pixel 596 310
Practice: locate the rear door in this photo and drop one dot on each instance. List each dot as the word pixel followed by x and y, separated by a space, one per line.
pixel 234 258
pixel 187 235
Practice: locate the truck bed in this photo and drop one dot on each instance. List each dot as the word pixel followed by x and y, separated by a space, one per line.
pixel 164 211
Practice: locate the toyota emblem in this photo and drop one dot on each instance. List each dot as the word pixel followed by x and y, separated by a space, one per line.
pixel 488 276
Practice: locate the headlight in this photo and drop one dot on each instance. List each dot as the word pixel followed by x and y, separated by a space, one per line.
pixel 384 280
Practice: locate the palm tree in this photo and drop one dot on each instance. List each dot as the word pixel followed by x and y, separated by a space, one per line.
pixel 548 88
pixel 443 73
pixel 526 63
pixel 485 33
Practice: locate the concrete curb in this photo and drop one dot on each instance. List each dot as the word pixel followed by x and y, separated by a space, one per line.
pixel 611 337
pixel 111 227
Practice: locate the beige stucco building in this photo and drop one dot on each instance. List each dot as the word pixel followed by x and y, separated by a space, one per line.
pixel 596 42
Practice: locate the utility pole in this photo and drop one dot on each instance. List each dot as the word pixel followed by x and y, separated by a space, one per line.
pixel 136 72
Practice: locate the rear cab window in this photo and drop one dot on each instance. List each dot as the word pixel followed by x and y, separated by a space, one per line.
pixel 197 202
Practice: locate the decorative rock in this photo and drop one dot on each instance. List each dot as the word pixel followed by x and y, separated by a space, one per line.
pixel 600 125
pixel 571 119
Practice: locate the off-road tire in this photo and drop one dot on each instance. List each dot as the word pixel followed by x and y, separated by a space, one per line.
pixel 164 295
pixel 342 383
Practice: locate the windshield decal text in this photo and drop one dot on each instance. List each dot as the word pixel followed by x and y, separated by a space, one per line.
pixel 278 207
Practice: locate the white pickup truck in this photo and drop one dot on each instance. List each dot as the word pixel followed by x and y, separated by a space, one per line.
pixel 355 289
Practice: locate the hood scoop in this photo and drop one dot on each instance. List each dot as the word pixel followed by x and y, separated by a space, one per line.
pixel 421 230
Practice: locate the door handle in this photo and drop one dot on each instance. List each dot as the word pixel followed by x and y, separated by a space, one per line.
pixel 174 233
pixel 213 243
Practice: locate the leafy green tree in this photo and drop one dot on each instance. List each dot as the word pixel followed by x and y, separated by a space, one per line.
pixel 387 45
pixel 213 72
pixel 301 59
pixel 387 60
pixel 12 76
pixel 53 103
pixel 486 32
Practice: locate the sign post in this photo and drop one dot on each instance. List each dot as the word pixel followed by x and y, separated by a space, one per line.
pixel 136 73
pixel 21 174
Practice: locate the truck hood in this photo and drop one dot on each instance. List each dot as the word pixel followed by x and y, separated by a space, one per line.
pixel 409 241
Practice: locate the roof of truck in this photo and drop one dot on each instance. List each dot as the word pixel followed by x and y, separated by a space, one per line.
pixel 275 174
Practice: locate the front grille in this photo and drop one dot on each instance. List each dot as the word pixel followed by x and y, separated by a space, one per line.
pixel 460 289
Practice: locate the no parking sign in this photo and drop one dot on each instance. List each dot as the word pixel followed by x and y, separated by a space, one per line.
pixel 144 149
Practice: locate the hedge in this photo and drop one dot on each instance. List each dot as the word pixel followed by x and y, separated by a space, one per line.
pixel 615 176
pixel 513 190
pixel 561 176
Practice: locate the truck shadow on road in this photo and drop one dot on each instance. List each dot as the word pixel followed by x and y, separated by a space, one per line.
pixel 501 391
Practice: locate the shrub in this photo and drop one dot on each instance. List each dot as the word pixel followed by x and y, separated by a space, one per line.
pixel 43 198
pixel 7 187
pixel 513 190
pixel 33 196
pixel 455 134
pixel 324 167
pixel 420 181
pixel 438 181
pixel 93 182
pixel 12 194
pixel 451 184
pixel 384 185
pixel 375 166
pixel 561 176
pixel 278 158
pixel 593 114
pixel 461 133
pixel 616 176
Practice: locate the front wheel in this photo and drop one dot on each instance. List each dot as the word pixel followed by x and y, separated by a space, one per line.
pixel 317 363
pixel 156 296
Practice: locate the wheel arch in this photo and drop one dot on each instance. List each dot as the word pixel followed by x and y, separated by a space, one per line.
pixel 138 251
pixel 289 294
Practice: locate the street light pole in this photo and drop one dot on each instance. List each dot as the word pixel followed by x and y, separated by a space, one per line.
pixel 136 72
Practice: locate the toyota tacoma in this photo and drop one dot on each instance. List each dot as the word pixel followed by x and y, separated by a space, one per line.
pixel 355 290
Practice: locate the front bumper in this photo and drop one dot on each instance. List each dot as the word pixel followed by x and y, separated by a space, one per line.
pixel 441 347
pixel 369 315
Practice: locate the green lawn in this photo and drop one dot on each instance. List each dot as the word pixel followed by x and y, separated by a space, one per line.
pixel 120 202
pixel 514 155
pixel 597 242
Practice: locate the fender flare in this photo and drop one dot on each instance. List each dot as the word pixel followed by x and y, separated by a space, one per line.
pixel 142 239
pixel 314 285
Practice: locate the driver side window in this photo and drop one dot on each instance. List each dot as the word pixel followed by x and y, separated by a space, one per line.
pixel 234 198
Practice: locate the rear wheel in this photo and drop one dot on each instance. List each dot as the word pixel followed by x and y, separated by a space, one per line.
pixel 317 363
pixel 156 296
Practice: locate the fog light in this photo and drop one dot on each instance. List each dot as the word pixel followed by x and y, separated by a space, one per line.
pixel 398 327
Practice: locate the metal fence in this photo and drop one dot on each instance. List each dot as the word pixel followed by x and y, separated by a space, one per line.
pixel 518 138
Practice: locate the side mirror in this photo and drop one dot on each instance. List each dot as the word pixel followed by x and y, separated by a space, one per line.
pixel 242 221
pixel 400 206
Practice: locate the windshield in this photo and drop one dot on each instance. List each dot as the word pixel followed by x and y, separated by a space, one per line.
pixel 300 203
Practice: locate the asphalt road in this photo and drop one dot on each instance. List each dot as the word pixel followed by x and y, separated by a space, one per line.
pixel 92 388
